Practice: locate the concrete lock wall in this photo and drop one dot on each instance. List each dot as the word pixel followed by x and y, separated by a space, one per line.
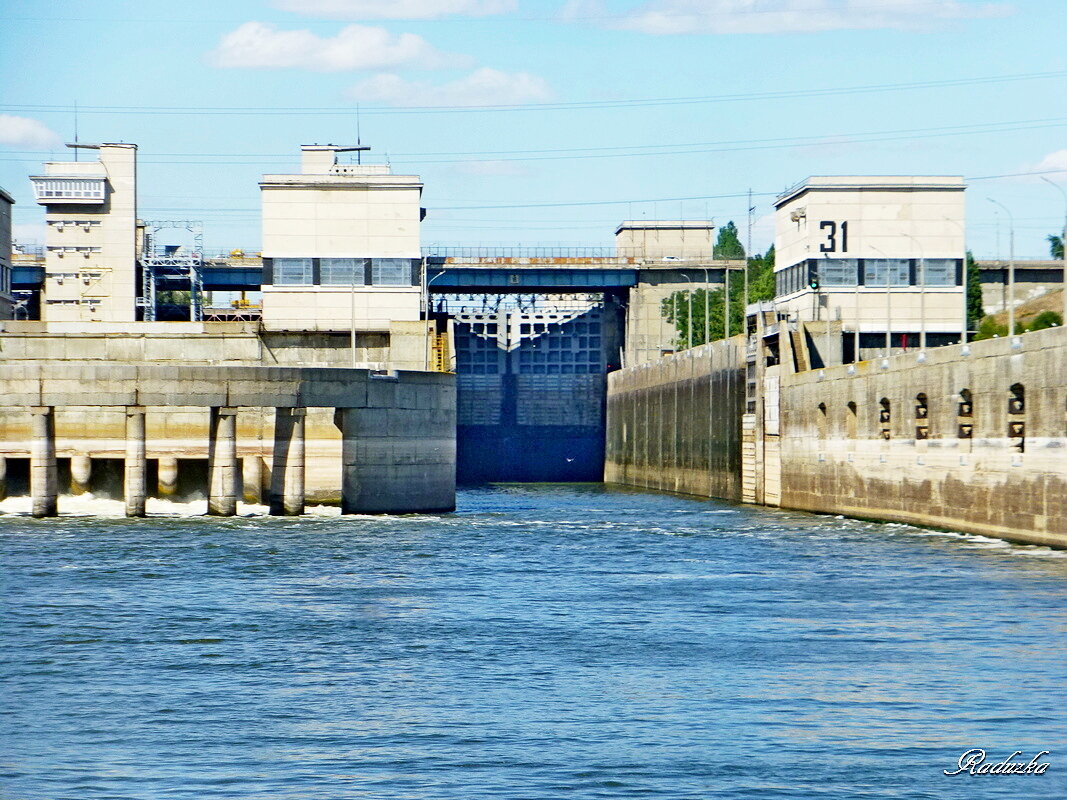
pixel 966 437
pixel 397 454
pixel 675 424
pixel 997 467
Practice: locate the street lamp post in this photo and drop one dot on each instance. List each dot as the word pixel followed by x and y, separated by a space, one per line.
pixel 707 308
pixel 426 306
pixel 1063 243
pixel 689 320
pixel 1011 266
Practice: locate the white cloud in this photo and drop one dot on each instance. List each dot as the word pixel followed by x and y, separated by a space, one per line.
pixel 1053 161
pixel 799 16
pixel 1052 167
pixel 482 87
pixel 28 133
pixel 396 9
pixel 262 46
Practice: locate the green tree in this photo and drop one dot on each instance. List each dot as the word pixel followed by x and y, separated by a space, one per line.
pixel 975 311
pixel 1046 319
pixel 708 306
pixel 728 244
pixel 1055 246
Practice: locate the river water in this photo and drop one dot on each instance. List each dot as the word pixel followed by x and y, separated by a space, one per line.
pixel 543 642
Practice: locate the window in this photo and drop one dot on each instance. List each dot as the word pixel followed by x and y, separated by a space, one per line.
pixel 939 271
pixel 885 417
pixel 837 272
pixel 877 271
pixel 391 272
pixel 292 271
pixel 341 272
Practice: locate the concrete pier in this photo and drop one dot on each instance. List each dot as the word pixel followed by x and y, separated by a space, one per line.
pixel 81 474
pixel 134 480
pixel 167 479
pixel 252 479
pixel 396 453
pixel 44 483
pixel 399 452
pixel 287 475
pixel 222 463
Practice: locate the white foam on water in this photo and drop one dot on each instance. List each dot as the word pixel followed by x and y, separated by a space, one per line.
pixel 89 505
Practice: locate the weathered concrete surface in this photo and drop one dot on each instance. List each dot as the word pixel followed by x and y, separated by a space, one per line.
pixel 399 451
pixel 90 418
pixel 136 468
pixel 44 487
pixel 121 384
pixel 287 465
pixel 991 466
pixel 838 461
pixel 675 424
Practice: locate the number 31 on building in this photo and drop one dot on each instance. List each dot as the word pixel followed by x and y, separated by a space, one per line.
pixel 831 231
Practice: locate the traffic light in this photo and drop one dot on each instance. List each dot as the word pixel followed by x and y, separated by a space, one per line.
pixel 813 281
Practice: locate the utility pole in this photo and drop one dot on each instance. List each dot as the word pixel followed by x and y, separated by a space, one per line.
pixel 1063 243
pixel 748 249
pixel 1011 266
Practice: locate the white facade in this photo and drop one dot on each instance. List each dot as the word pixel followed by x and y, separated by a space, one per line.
pixel 341 245
pixel 881 252
pixel 91 241
pixel 6 300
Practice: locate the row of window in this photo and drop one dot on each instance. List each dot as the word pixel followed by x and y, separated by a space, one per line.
pixel 871 272
pixel 342 271
pixel 89 188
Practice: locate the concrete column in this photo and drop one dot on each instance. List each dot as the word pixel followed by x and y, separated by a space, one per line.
pixel 81 474
pixel 252 479
pixel 167 481
pixel 287 473
pixel 222 463
pixel 3 477
pixel 43 479
pixel 134 483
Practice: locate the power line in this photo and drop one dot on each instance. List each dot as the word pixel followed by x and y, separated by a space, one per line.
pixel 629 151
pixel 559 106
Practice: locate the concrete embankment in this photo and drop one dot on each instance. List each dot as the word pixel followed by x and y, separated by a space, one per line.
pixel 967 437
pixel 675 424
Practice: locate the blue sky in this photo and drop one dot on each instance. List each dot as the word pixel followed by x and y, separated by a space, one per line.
pixel 548 122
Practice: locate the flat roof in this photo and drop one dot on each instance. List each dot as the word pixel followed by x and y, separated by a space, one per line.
pixel 874 182
pixel 5 196
pixel 665 225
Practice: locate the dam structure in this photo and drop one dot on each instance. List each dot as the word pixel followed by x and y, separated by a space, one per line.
pixel 822 405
